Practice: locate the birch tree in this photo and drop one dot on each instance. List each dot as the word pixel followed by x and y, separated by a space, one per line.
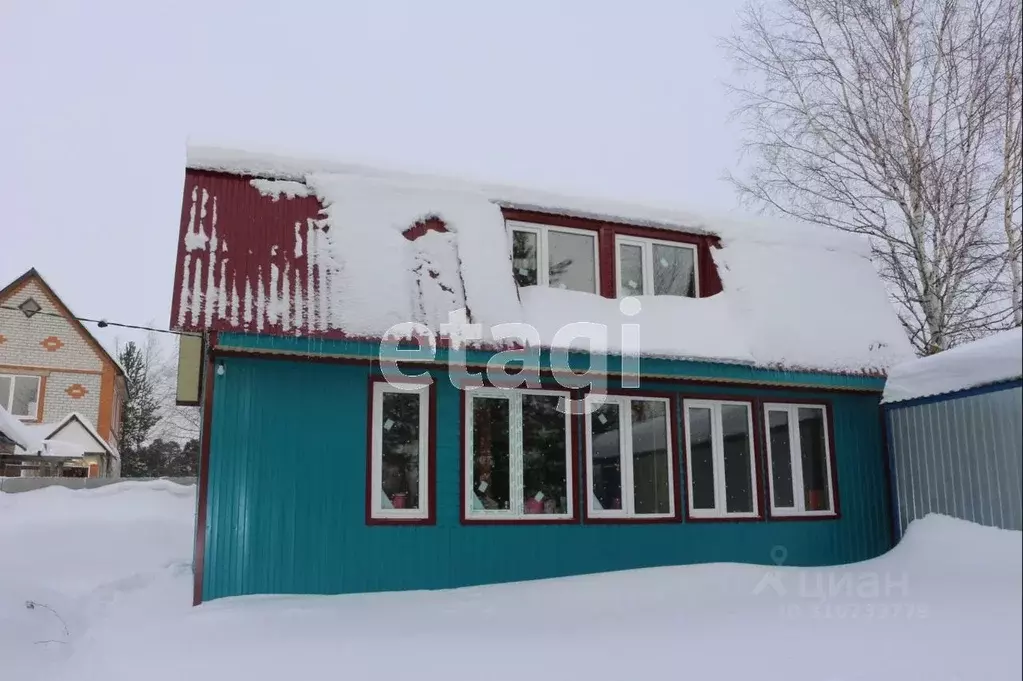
pixel 897 119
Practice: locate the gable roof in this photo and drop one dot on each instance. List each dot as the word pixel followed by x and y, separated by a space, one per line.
pixel 33 274
pixel 318 248
pixel 47 431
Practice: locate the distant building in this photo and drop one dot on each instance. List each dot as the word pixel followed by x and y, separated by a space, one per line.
pixel 747 430
pixel 59 382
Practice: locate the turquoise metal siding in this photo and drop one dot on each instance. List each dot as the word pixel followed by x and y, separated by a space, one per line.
pixel 287 481
pixel 959 455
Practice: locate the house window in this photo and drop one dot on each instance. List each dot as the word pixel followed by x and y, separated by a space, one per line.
pixel 560 257
pixel 19 395
pixel 655 268
pixel 799 460
pixel 518 458
pixel 629 462
pixel 399 452
pixel 720 459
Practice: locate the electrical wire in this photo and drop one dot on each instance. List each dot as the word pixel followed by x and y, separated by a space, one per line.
pixel 103 323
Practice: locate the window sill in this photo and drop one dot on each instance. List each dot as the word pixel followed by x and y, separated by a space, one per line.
pixel 400 520
pixel 724 518
pixel 819 515
pixel 519 520
pixel 632 520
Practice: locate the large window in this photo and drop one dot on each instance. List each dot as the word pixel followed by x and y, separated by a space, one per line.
pixel 559 257
pixel 655 268
pixel 19 395
pixel 799 460
pixel 399 453
pixel 630 467
pixel 720 459
pixel 518 460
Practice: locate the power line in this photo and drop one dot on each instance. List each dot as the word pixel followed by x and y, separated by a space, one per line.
pixel 103 323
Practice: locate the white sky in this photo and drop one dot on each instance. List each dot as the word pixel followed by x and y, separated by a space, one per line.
pixel 605 98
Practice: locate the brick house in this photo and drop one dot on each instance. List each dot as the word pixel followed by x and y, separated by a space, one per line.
pixel 58 380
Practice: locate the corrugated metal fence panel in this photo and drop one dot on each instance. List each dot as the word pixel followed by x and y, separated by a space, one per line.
pixel 287 489
pixel 959 456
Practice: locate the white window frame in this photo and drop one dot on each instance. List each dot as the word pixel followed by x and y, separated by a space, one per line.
pixel 516 510
pixel 377 511
pixel 8 400
pixel 796 461
pixel 543 267
pixel 718 450
pixel 628 509
pixel 647 246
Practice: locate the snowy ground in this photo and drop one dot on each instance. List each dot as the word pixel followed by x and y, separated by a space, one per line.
pixel 113 563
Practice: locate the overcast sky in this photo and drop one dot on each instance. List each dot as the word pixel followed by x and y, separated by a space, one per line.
pixel 615 99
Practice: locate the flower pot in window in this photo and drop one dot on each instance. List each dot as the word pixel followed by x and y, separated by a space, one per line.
pixel 398 500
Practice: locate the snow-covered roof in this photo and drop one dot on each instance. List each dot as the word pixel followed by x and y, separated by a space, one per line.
pixel 49 434
pixel 795 296
pixel 994 359
pixel 17 432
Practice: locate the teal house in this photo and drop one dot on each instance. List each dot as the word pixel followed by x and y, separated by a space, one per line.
pixel 413 382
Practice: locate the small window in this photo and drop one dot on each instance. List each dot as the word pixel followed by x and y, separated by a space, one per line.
pixel 518 455
pixel 629 463
pixel 720 459
pixel 656 268
pixel 399 453
pixel 19 395
pixel 799 460
pixel 559 257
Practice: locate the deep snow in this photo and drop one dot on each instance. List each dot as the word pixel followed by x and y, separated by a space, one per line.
pixel 113 563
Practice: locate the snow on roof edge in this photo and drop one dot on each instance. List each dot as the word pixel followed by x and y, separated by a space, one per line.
pixel 283 166
pixel 995 359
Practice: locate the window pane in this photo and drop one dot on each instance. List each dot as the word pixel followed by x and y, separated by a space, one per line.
pixel 490 467
pixel 571 261
pixel 650 483
pixel 5 392
pixel 399 467
pixel 701 453
pixel 544 461
pixel 674 271
pixel 814 460
pixel 630 270
pixel 781 459
pixel 738 455
pixel 26 396
pixel 607 460
pixel 524 257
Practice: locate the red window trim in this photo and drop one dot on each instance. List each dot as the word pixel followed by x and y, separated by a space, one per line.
pixel 431 440
pixel 573 459
pixel 673 431
pixel 758 461
pixel 710 281
pixel 832 459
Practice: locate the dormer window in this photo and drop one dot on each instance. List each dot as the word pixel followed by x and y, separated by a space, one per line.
pixel 559 257
pixel 655 268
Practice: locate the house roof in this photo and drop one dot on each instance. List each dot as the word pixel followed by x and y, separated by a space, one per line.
pixel 13 430
pixel 995 359
pixel 33 274
pixel 795 296
pixel 48 431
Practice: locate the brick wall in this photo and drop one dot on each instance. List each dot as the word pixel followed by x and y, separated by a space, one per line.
pixel 53 348
pixel 43 340
pixel 68 392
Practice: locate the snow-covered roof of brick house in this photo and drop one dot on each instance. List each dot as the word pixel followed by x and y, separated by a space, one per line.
pixel 271 244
